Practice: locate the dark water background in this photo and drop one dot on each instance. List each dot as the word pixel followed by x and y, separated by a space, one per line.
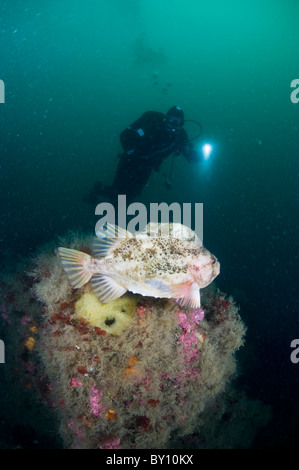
pixel 77 73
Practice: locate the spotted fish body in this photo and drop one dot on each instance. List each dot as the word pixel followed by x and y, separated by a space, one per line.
pixel 166 260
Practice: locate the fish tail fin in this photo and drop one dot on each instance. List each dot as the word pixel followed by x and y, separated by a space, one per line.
pixel 76 265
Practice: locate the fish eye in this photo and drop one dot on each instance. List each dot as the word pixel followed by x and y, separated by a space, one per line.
pixel 214 260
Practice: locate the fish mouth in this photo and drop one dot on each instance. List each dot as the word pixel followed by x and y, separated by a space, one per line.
pixel 216 269
pixel 204 275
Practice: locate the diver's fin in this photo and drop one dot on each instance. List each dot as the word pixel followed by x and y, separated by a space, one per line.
pixel 106 288
pixel 108 237
pixel 75 263
pixel 187 294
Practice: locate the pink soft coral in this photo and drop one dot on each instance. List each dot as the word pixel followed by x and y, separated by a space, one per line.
pixel 188 337
pixel 95 401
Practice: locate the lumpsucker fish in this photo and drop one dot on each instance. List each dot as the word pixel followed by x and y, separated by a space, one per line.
pixel 163 261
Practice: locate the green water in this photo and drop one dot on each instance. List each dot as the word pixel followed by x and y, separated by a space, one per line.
pixel 77 73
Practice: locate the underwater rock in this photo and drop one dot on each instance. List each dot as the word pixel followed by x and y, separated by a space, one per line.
pixel 152 384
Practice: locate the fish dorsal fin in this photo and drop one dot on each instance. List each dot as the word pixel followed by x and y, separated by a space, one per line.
pixel 187 294
pixel 106 288
pixel 113 231
pixel 174 230
pixel 108 237
pixel 103 246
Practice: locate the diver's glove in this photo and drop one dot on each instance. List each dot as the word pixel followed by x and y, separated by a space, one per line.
pixel 190 153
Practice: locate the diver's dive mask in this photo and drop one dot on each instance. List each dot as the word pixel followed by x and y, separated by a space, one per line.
pixel 175 118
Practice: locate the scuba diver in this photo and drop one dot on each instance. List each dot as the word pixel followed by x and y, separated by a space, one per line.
pixel 146 143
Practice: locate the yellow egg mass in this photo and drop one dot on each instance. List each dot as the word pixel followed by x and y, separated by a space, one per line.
pixel 113 317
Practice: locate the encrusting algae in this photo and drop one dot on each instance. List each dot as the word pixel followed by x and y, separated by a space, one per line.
pixel 149 381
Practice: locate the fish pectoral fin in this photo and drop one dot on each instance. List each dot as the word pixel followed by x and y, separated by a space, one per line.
pixel 181 290
pixel 187 294
pixel 106 288
pixel 108 237
pixel 75 263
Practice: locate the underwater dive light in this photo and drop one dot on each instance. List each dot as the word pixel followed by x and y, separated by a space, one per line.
pixel 206 151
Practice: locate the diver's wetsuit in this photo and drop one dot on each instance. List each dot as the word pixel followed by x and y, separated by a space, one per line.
pixel 146 143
